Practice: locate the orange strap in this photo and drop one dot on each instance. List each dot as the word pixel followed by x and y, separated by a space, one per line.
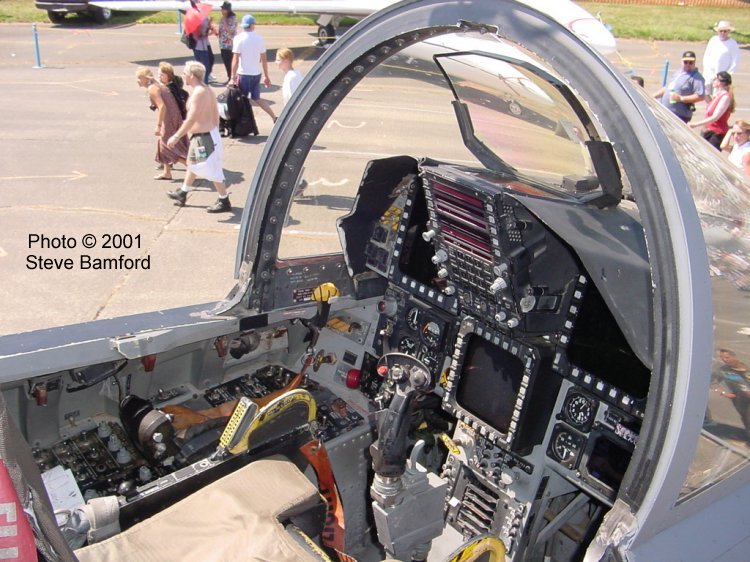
pixel 333 532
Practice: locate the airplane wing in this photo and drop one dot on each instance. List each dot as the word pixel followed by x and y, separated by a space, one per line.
pixel 569 14
pixel 333 7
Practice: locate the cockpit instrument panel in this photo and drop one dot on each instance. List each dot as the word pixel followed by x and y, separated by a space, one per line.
pixel 408 326
pixel 492 380
pixel 494 255
pixel 598 358
pixel 418 268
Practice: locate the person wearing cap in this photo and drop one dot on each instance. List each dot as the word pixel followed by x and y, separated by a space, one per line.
pixel 738 142
pixel 227 31
pixel 722 52
pixel 248 60
pixel 686 88
pixel 716 122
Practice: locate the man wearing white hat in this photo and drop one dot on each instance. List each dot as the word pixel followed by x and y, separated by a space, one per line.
pixel 722 53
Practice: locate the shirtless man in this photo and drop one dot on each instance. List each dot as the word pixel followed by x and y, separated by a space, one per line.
pixel 206 153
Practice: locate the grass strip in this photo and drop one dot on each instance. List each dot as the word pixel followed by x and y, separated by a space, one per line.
pixel 669 23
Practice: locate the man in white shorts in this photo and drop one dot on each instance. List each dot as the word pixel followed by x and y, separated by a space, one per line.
pixel 206 153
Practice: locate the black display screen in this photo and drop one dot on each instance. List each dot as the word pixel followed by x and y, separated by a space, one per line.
pixel 608 462
pixel 416 254
pixel 597 345
pixel 489 382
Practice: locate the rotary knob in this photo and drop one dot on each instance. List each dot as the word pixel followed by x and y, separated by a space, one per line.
pixel 440 257
pixel 498 285
pixel 500 268
pixel 103 430
pixel 123 456
pixel 429 235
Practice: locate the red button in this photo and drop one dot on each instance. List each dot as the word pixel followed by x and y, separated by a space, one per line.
pixel 353 378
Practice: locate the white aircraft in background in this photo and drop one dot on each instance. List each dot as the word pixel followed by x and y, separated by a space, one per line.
pixel 569 14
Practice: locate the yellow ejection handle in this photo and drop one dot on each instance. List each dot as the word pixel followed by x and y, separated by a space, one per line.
pixel 322 294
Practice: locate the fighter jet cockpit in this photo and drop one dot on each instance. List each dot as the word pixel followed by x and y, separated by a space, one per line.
pixel 479 293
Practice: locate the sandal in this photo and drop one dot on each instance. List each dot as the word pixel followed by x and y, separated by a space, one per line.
pixel 162 177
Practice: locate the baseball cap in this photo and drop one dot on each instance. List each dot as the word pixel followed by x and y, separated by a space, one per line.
pixel 688 55
pixel 227 6
pixel 248 20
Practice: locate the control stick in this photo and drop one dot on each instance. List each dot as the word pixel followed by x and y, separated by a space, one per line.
pixel 407 500
pixel 406 379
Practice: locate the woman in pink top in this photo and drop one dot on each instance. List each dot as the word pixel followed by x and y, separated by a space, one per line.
pixel 721 106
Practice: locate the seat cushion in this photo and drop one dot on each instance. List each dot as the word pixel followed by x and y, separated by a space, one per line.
pixel 235 518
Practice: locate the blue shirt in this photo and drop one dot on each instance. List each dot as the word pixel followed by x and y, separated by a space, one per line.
pixel 684 84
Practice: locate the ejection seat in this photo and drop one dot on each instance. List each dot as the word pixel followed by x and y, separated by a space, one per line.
pixel 246 515
pixel 266 510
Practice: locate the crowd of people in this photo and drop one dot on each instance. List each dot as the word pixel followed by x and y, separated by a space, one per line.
pixel 187 124
pixel 688 87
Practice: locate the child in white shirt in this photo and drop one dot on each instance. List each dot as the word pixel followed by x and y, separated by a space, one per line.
pixel 292 77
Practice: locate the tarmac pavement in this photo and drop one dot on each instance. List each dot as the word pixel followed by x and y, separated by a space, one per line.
pixel 77 159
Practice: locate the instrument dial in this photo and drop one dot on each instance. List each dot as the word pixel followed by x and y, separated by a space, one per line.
pixel 431 334
pixel 412 318
pixel 579 410
pixel 408 346
pixel 564 446
pixel 431 361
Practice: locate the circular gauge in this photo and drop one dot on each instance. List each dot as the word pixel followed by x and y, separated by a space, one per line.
pixel 431 361
pixel 412 318
pixel 431 334
pixel 565 447
pixel 407 345
pixel 579 409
